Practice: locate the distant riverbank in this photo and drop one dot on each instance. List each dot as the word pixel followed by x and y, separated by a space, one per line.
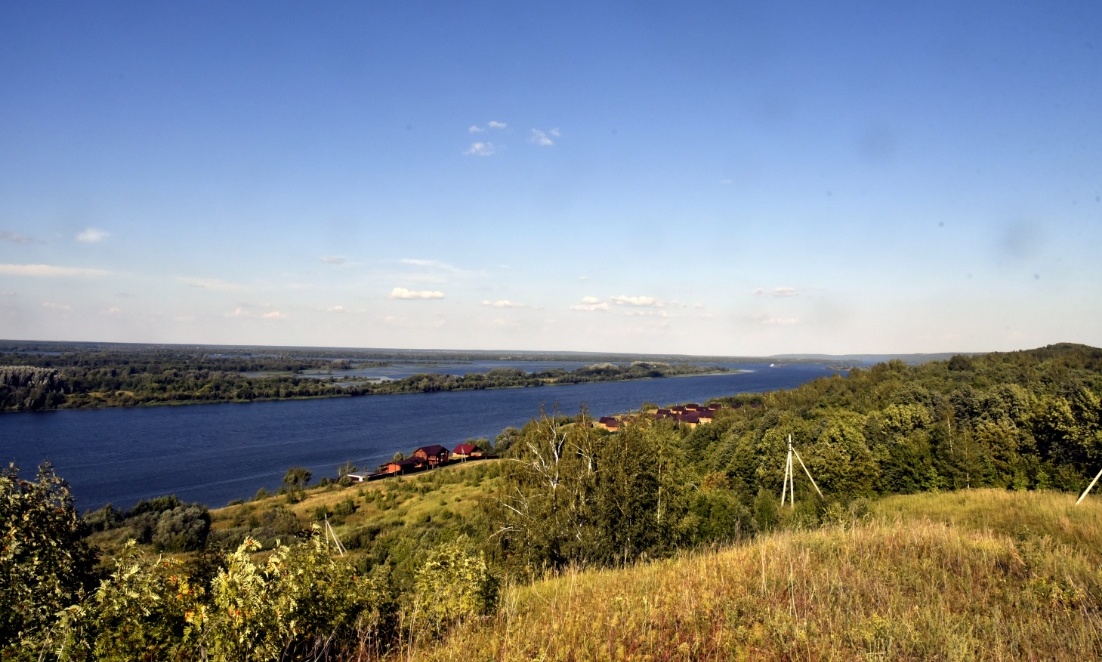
pixel 117 382
pixel 219 453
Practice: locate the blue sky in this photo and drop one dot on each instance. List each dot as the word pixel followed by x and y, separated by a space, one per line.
pixel 727 178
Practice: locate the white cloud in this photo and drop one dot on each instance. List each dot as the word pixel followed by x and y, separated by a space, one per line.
pixel 14 237
pixel 543 138
pixel 212 284
pixel 403 293
pixel 335 309
pixel 50 305
pixel 92 236
pixel 778 321
pixel 476 129
pixel 480 149
pixel 503 303
pixel 494 124
pixel 49 271
pixel 333 259
pixel 113 310
pixel 637 301
pixel 647 313
pixel 590 304
pixel 430 264
pixel 249 311
pixel 777 292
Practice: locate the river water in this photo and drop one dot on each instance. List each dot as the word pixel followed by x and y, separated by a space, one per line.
pixel 219 452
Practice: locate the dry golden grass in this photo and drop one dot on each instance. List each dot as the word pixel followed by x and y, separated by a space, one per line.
pixel 962 576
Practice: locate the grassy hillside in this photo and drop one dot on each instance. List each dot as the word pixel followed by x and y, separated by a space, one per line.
pixel 983 574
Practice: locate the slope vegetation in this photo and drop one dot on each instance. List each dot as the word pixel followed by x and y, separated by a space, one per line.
pixel 983 574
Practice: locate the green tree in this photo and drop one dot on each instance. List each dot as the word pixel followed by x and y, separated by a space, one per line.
pixel 295 481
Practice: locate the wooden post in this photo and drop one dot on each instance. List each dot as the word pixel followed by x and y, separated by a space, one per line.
pixel 1089 487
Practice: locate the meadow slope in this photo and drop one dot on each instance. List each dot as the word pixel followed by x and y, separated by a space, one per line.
pixel 982 574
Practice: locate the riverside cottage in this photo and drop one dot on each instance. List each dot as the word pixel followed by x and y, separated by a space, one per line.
pixel 434 455
pixel 464 451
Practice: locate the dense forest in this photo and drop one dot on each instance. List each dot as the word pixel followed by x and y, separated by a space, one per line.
pixel 422 554
pixel 45 376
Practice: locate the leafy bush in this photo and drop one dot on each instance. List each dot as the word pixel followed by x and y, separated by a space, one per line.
pixel 182 529
pixel 45 565
pixel 450 586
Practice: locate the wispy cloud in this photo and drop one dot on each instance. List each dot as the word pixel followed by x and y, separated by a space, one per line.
pixel 777 292
pixel 431 270
pixel 246 311
pixel 403 293
pixel 51 271
pixel 494 124
pixel 212 284
pixel 778 321
pixel 476 129
pixel 543 138
pixel 14 237
pixel 503 303
pixel 637 301
pixel 647 313
pixel 480 149
pixel 429 264
pixel 92 236
pixel 590 304
pixel 62 307
pixel 333 259
pixel 335 309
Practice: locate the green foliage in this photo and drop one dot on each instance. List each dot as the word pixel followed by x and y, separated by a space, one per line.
pixel 45 564
pixel 451 585
pixel 294 483
pixel 147 609
pixel 182 529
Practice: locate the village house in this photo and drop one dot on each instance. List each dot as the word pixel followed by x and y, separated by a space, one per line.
pixel 433 455
pixel 464 451
pixel 399 467
pixel 610 423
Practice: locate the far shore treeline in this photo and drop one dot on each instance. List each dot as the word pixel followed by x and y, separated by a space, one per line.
pixel 46 376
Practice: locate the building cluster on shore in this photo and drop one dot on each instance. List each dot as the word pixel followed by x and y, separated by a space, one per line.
pixel 690 415
pixel 425 457
pixel 435 455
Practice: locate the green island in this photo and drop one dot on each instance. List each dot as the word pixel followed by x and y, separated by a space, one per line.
pixel 37 376
pixel 947 528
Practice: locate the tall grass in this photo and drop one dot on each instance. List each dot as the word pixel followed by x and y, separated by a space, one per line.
pixel 978 575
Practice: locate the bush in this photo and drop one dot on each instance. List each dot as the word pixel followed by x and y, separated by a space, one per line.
pixel 45 565
pixel 450 586
pixel 182 529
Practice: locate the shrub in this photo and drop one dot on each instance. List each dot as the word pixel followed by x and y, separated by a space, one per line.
pixel 182 529
pixel 45 565
pixel 450 586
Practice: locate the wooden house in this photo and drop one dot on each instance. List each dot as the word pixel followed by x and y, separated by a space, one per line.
pixel 399 467
pixel 464 451
pixel 433 455
pixel 610 423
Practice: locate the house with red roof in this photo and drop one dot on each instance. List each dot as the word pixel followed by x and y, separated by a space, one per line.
pixel 433 455
pixel 465 450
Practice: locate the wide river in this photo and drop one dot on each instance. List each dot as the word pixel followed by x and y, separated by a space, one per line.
pixel 219 452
